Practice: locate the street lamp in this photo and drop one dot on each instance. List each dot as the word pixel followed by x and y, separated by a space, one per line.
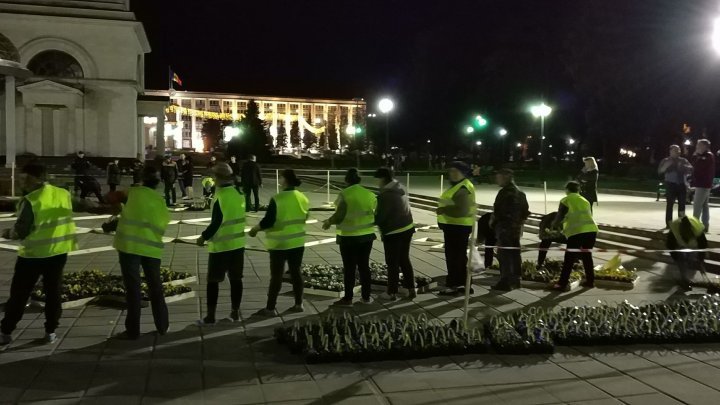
pixel 503 132
pixel 481 121
pixel 478 143
pixel 230 132
pixel 469 129
pixel 571 141
pixel 541 111
pixel 386 105
pixel 716 35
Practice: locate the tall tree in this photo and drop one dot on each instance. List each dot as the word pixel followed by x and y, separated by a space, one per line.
pixel 309 139
pixel 295 134
pixel 211 133
pixel 332 135
pixel 253 138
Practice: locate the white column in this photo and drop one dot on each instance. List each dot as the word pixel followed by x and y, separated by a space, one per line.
pixel 159 134
pixel 9 121
pixel 57 131
pixel 140 136
pixel 70 124
pixel 79 130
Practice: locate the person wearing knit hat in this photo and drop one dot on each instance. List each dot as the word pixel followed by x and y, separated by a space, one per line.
pixel 354 221
pixel 284 226
pixel 456 214
pixel 226 243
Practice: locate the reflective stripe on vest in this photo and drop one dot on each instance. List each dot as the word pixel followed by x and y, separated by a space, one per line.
pixel 401 230
pixel 579 217
pixel 360 215
pixel 231 233
pixel 446 200
pixel 288 231
pixel 142 224
pixel 53 231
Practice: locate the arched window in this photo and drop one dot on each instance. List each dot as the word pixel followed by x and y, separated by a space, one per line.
pixel 55 64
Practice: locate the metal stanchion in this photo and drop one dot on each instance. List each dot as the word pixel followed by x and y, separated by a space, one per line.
pixel 328 187
pixel 545 188
pixel 277 181
pixel 12 179
pixel 407 184
pixel 468 277
pixel 442 179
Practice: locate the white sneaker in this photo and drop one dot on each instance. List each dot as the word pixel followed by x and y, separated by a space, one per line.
pixel 387 296
pixel 50 338
pixel 367 301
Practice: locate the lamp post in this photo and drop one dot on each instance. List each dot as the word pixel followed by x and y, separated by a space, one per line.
pixel 502 132
pixel 385 106
pixel 354 131
pixel 541 111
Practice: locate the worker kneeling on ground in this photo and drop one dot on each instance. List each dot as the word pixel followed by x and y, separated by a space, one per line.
pixel 580 229
pixel 687 233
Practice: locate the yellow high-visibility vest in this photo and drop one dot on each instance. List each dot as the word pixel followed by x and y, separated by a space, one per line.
pixel 360 215
pixel 142 223
pixel 231 234
pixel 288 231
pixel 579 217
pixel 446 200
pixel 53 231
pixel 697 229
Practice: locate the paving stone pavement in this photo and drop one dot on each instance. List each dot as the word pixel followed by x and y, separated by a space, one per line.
pixel 240 363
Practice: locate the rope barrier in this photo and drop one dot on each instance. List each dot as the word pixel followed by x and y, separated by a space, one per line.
pixel 597 250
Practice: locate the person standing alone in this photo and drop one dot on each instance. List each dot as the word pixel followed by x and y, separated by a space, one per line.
pixel 81 167
pixel 169 175
pixel 395 221
pixel 588 180
pixel 251 180
pixel 456 215
pixel 46 230
pixel 113 174
pixel 510 211
pixel 675 169
pixel 703 163
pixel 226 243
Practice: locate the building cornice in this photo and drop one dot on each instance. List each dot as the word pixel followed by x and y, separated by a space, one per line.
pixel 237 96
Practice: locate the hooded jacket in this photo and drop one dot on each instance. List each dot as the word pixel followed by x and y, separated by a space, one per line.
pixel 393 208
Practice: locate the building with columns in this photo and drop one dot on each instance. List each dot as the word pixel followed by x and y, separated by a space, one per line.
pixel 84 89
pixel 188 111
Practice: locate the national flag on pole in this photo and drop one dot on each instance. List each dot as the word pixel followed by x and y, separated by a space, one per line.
pixel 176 79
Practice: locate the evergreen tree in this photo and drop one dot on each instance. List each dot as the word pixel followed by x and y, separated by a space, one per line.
pixel 322 141
pixel 252 140
pixel 295 134
pixel 309 139
pixel 332 135
pixel 211 133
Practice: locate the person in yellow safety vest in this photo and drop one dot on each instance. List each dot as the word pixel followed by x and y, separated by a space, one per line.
pixel 139 243
pixel 226 243
pixel 580 229
pixel 46 230
pixel 455 216
pixel 354 220
pixel 208 185
pixel 394 219
pixel 687 233
pixel 284 226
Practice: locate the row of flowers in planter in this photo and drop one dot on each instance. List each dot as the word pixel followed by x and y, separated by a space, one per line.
pixel 331 278
pixel 549 273
pixel 535 330
pixel 94 283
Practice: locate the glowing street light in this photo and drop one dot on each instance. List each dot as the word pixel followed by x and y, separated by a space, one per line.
pixel 469 129
pixel 542 111
pixel 351 130
pixel 478 143
pixel 231 132
pixel 386 105
pixel 687 142
pixel 571 141
pixel 716 35
pixel 481 121
pixel 519 145
pixel 317 120
pixel 503 132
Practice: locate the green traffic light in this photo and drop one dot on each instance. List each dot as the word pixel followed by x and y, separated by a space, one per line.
pixel 481 121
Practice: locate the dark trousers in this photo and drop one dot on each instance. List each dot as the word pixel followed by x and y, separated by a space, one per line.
pixel 278 258
pixel 456 243
pixel 490 240
pixel 130 267
pixel 232 263
pixel 579 241
pixel 181 183
pixel 27 273
pixel 687 262
pixel 77 182
pixel 542 254
pixel 510 260
pixel 397 258
pixel 674 191
pixel 356 257
pixel 113 187
pixel 247 190
pixel 86 190
pixel 170 192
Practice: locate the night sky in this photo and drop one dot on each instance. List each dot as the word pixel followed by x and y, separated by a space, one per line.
pixel 444 61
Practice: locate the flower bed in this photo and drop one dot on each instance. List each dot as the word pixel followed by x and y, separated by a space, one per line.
pixel 171 277
pixel 172 293
pixel 546 276
pixel 349 338
pixel 619 277
pixel 323 279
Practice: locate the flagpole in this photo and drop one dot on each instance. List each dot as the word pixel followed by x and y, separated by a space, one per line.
pixel 170 78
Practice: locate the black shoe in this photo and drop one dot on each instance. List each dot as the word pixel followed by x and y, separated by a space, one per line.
pixel 461 291
pixel 127 336
pixel 587 284
pixel 516 284
pixel 450 291
pixel 501 287
pixel 235 315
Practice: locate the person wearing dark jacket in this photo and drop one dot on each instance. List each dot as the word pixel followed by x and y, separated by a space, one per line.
pixel 137 171
pixel 90 185
pixel 548 236
pixel 169 175
pixel 81 166
pixel 187 177
pixel 251 180
pixel 395 222
pixel 226 243
pixel 181 165
pixel 687 233
pixel 235 166
pixel 703 163
pixel 113 174
pixel 486 236
pixel 675 170
pixel 588 179
pixel 354 220
pixel 510 211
